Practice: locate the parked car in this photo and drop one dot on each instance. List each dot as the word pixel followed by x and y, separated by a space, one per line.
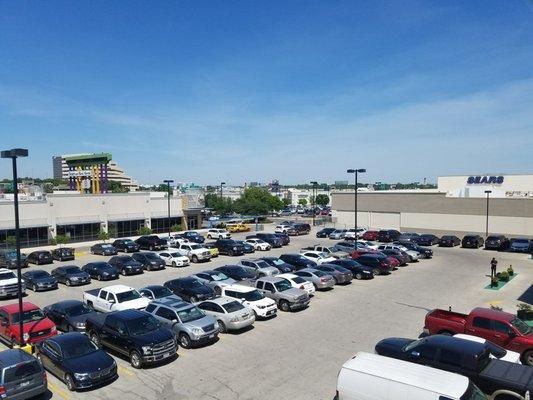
pixel 281 291
pixel 173 258
pixel 8 259
pixel 71 275
pixel 262 306
pixel 496 351
pixel 214 279
pixel 190 289
pixel 350 246
pixel 150 261
pixel 213 249
pixel 270 238
pixel 449 241
pixel 319 279
pixel 101 271
pixel 229 247
pixel 247 247
pixel 340 274
pixel 279 264
pixel 461 356
pixel 426 239
pixel 151 242
pixel 406 254
pixel 237 228
pixel 193 236
pixel 75 360
pixel 298 282
pixel 359 271
pixel 502 328
pixel 259 244
pixel 40 257
pixel 103 249
pixel 472 241
pixel 288 229
pixel 388 235
pixel 230 314
pixel 69 315
pixel 39 280
pixel 126 265
pixel 236 272
pixel 258 267
pixel 370 235
pixel 380 265
pixel 497 242
pixel 408 237
pixel 402 259
pixel 302 228
pixel 134 334
pixel 218 234
pixel 126 245
pixel 35 326
pixel 298 261
pixel 63 254
pixel 521 245
pixel 338 234
pixel 9 284
pixel 191 326
pixel 324 232
pixel 194 251
pixel 115 298
pixel 22 376
pixel 154 292
pixel 330 251
pixel 424 251
pixel 285 239
pixel 317 256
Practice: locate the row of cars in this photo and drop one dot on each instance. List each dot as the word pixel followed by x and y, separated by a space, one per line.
pixel 461 357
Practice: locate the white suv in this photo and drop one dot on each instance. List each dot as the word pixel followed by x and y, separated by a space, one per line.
pixel 218 234
pixel 263 306
pixel 282 228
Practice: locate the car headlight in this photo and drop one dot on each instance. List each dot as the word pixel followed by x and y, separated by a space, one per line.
pixel 197 331
pixel 147 349
pixel 152 262
pixel 216 325
pixel 234 248
pixel 80 325
pixel 25 336
pixel 81 376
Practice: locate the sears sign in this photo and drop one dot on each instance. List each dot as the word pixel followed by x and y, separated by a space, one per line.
pixel 484 180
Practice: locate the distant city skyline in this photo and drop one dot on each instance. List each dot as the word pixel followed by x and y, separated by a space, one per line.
pixel 253 91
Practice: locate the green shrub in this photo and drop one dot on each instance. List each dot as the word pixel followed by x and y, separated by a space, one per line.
pixel 494 281
pixel 61 239
pixel 504 276
pixel 510 270
pixel 144 230
pixel 175 228
pixel 103 235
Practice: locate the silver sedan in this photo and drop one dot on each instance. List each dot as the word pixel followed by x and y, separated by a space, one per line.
pixel 231 314
pixel 214 279
pixel 319 279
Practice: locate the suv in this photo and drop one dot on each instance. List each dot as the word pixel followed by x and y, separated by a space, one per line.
pixel 189 323
pixel 126 265
pixel 126 245
pixel 388 235
pixel 218 234
pixel 9 284
pixel 262 306
pixel 281 291
pixel 497 242
pixel 472 241
pixel 63 254
pixel 270 238
pixel 229 247
pixel 8 259
pixel 21 375
pixel 193 236
pixel 151 242
pixel 258 267
pixel 40 257
pixel 302 228
pixel 379 263
pixel 288 229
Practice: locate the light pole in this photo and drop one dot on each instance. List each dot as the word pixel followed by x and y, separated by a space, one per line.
pixel 168 182
pixel 314 183
pixel 14 154
pixel 487 192
pixel 355 172
pixel 221 184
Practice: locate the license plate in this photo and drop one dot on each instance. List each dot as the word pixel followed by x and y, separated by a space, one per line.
pixel 24 384
pixel 270 312
pixel 211 336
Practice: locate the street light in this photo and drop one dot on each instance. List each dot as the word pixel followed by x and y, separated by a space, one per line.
pixel 14 154
pixel 168 182
pixel 221 184
pixel 355 172
pixel 314 183
pixel 487 192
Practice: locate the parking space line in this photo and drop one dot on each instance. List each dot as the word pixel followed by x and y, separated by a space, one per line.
pixel 57 391
pixel 126 371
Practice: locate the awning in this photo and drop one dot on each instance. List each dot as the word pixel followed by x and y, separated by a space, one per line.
pixel 87 219
pixel 25 223
pixel 163 214
pixel 125 217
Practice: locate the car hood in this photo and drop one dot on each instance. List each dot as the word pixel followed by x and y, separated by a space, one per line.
pixel 294 292
pixel 111 270
pixel 155 336
pixel 269 270
pixel 392 347
pixel 78 275
pixel 33 326
pixel 520 245
pixel 47 280
pixel 202 322
pixel 93 362
pixel 137 303
pixel 229 281
pixel 81 318
pixel 263 302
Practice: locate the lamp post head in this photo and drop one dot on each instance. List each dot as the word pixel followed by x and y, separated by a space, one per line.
pixel 488 191
pixel 351 171
pixel 222 183
pixel 361 170
pixel 313 183
pixel 168 181
pixel 14 153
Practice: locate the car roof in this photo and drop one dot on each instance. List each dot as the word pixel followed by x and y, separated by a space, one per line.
pixel 252 259
pixel 69 338
pixel 172 301
pixel 67 303
pixel 33 271
pixel 452 343
pixel 14 307
pixel 310 270
pixel 287 275
pixel 492 314
pixel 240 288
pixel 117 288
pixel 12 357
pixel 125 315
pixel 271 279
pixel 221 300
pixel 151 287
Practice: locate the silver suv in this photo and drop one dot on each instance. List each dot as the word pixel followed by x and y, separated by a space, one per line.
pixel 281 291
pixel 191 325
pixel 21 375
pixel 258 267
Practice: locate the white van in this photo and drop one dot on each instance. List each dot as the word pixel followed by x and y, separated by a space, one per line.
pixel 374 377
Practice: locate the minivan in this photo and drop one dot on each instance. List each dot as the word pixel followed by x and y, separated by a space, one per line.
pixel 373 377
pixel 21 375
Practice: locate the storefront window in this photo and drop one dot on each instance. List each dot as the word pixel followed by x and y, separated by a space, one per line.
pixel 160 225
pixel 28 237
pixel 79 232
pixel 121 229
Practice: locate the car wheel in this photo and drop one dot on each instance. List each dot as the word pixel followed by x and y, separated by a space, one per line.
pixel 527 358
pixel 174 264
pixel 220 236
pixel 123 272
pixel 70 383
pixel 34 287
pixel 358 276
pixel 284 305
pixel 376 271
pixel 95 338
pixel 151 248
pixel 68 282
pixel 209 236
pixel 99 277
pixel 92 252
pixel 135 359
pixel 193 299
pixel 221 327
pixel 194 259
pixel 185 341
pixel 230 253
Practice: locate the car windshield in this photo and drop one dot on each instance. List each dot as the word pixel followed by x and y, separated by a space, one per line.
pixel 283 285
pixel 521 241
pixel 277 261
pixel 160 292
pixel 128 241
pixel 142 325
pixel 72 270
pixel 320 274
pixel 262 264
pixel 77 310
pixel 21 371
pixel 7 275
pixel 253 295
pixel 79 349
pixel 495 350
pixel 128 296
pixel 106 246
pixel 233 306
pixel 175 255
pixel 219 276
pixel 521 326
pixel 190 314
pixel 151 256
pixel 196 247
pixel 13 254
pixel 28 316
pixel 298 280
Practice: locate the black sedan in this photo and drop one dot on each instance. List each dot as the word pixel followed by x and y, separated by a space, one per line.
pixel 63 254
pixel 278 263
pixel 297 261
pixel 71 275
pixel 359 271
pixel 39 280
pixel 324 233
pixel 190 289
pixel 284 238
pixel 426 239
pixel 75 360
pixel 126 265
pixel 103 249
pixel 236 272
pixel 497 242
pixel 101 270
pixel 149 261
pixel 424 251
pixel 154 292
pixel 472 241
pixel 69 315
pixel 126 245
pixel 40 257
pixel 449 241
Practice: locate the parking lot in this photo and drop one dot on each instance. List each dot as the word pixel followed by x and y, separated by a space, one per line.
pixel 297 355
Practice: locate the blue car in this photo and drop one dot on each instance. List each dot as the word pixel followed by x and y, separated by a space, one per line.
pixel 39 280
pixel 520 245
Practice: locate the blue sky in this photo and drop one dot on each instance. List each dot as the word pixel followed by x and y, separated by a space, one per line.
pixel 234 91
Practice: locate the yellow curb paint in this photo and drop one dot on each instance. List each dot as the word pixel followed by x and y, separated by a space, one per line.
pixel 56 390
pixel 125 371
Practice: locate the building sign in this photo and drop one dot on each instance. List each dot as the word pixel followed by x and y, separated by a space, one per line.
pixel 484 180
pixel 79 173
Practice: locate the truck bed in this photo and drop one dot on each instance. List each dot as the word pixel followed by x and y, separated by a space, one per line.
pixel 92 292
pixel 516 377
pixel 448 316
pixel 441 320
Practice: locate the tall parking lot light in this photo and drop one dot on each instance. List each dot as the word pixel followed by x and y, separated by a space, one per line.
pixel 168 182
pixel 314 183
pixel 487 192
pixel 221 184
pixel 14 154
pixel 355 172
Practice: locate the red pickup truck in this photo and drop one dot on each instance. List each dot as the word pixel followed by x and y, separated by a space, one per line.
pixel 36 327
pixel 499 327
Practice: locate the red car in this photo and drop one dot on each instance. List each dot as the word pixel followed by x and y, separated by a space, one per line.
pixel 394 262
pixel 36 327
pixel 359 252
pixel 370 235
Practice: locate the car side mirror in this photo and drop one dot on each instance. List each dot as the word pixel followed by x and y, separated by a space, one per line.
pixel 512 333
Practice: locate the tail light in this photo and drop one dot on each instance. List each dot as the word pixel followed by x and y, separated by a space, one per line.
pixel 45 378
pixel 323 280
pixel 383 264
pixel 2 391
pixel 302 287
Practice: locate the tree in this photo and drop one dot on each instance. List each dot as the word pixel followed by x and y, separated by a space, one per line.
pixel 286 201
pixel 11 241
pixel 116 187
pixel 302 202
pixel 220 206
pixel 103 235
pixel 144 230
pixel 175 228
pixel 322 200
pixel 257 201
pixel 61 239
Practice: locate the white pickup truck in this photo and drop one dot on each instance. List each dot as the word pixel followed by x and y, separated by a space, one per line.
pixel 115 298
pixel 196 252
pixel 329 251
